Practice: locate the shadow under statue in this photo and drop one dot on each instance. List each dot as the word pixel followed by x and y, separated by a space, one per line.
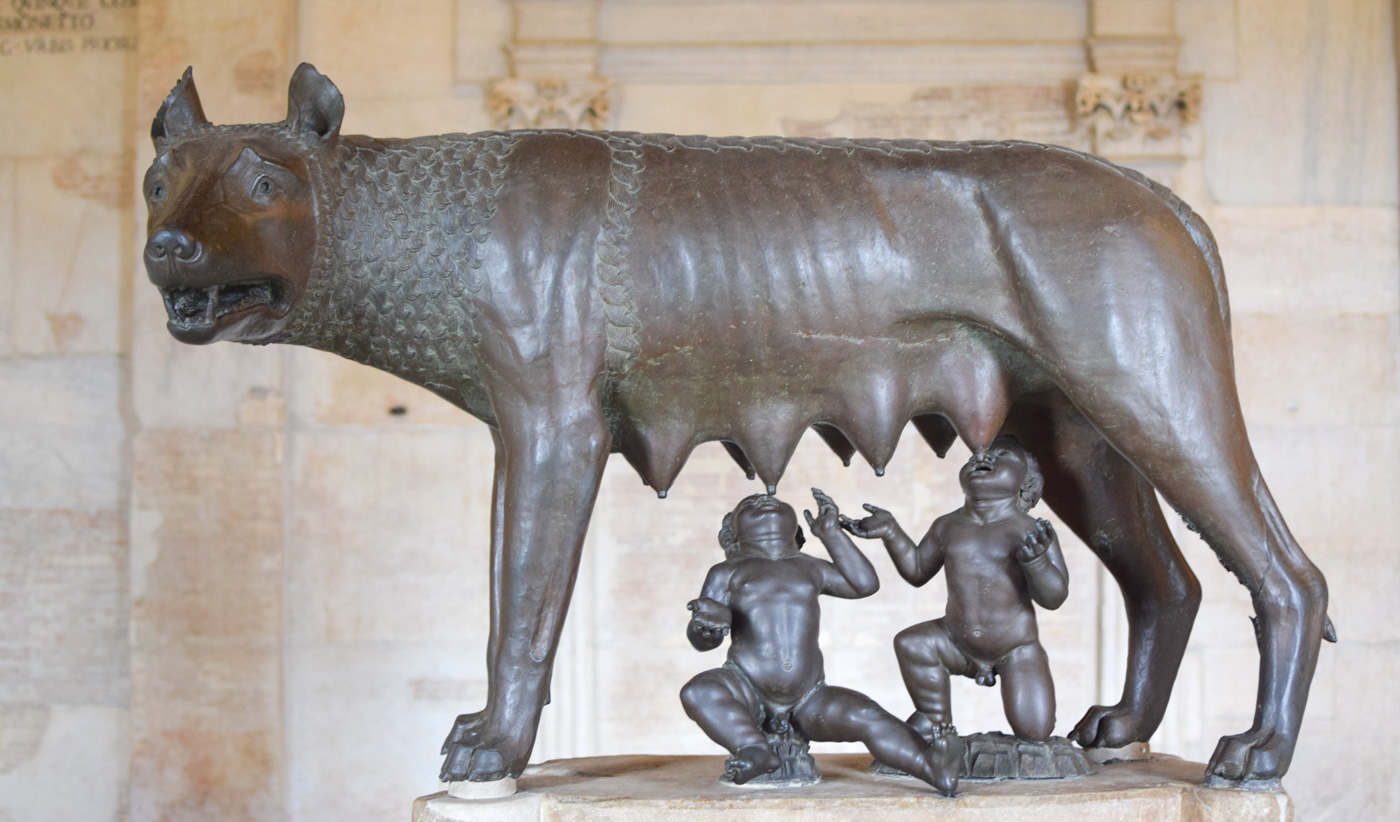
pixel 584 293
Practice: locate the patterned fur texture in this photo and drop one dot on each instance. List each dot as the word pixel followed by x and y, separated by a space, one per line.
pixel 398 267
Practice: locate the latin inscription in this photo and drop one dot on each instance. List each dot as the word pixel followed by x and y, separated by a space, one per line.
pixel 53 27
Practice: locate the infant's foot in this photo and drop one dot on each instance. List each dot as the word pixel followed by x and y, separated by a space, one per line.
pixel 749 762
pixel 944 757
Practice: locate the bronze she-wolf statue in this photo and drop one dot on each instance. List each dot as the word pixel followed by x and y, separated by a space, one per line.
pixel 592 292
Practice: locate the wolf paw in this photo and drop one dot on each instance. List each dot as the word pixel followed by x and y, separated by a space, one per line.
pixel 481 754
pixel 1108 726
pixel 463 730
pixel 1259 756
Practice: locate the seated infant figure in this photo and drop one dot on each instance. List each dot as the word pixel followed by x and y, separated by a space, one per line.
pixel 999 561
pixel 764 595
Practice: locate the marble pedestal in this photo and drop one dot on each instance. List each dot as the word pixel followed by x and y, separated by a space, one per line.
pixel 687 789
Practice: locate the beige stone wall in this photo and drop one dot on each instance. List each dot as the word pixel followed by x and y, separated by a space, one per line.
pixel 236 584
pixel 65 226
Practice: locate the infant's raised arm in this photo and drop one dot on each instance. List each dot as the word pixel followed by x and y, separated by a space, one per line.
pixel 849 575
pixel 916 563
pixel 1044 565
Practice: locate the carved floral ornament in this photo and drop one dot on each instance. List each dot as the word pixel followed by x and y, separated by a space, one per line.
pixel 1155 106
pixel 1135 106
pixel 550 103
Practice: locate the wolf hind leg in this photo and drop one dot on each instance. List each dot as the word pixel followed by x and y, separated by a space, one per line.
pixel 1177 420
pixel 1113 509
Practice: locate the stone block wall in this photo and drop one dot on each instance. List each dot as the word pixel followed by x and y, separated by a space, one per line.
pixel 249 583
pixel 207 509
pixel 65 228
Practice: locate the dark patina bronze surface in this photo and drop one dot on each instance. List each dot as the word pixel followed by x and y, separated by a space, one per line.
pixel 584 293
pixel 771 697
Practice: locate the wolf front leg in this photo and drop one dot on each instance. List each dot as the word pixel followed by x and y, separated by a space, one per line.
pixel 467 725
pixel 547 480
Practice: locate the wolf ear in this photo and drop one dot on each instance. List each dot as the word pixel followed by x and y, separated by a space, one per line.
pixel 314 104
pixel 180 112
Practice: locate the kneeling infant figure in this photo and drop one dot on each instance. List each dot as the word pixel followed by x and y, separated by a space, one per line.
pixel 764 594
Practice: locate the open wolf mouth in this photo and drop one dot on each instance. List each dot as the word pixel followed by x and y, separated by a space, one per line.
pixel 198 307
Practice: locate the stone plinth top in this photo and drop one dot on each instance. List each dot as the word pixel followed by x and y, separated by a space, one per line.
pixel 687 789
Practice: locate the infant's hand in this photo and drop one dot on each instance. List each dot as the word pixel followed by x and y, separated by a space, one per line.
pixel 709 618
pixel 880 523
pixel 1036 542
pixel 828 516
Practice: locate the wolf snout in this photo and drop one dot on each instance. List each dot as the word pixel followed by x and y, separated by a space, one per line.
pixel 172 244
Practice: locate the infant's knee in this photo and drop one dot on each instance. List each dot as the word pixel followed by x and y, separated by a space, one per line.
pixel 904 643
pixel 1031 709
pixel 1033 728
pixel 928 647
pixel 1028 693
pixel 701 692
pixel 914 645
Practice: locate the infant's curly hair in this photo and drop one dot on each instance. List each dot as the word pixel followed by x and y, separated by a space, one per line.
pixel 728 540
pixel 1034 484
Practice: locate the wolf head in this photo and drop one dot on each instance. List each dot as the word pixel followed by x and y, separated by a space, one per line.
pixel 233 222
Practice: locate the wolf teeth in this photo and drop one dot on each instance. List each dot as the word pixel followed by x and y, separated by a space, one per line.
pixel 185 304
pixel 211 302
pixel 202 306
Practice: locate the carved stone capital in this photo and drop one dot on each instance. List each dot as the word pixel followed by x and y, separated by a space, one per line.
pixel 1140 112
pixel 1000 112
pixel 550 103
pixel 1140 119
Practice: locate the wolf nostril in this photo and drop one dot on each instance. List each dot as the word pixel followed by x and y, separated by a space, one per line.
pixel 174 242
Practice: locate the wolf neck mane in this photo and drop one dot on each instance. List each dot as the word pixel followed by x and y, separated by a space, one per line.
pixel 398 251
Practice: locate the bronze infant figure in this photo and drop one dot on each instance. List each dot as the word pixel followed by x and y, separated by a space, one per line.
pixel 584 293
pixel 772 684
pixel 998 561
